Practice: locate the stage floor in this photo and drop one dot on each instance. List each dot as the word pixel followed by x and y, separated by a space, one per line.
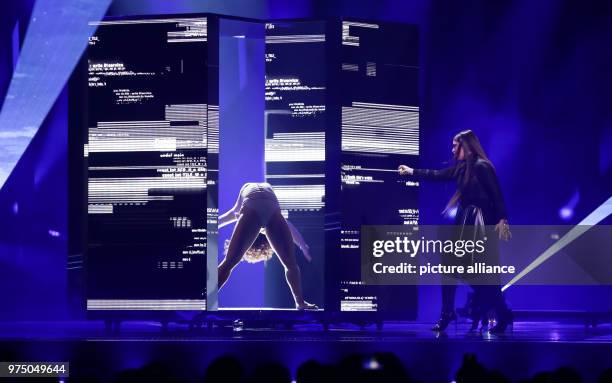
pixel 391 332
pixel 531 347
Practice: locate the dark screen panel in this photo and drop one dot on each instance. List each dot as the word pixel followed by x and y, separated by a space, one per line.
pixel 295 124
pixel 379 131
pixel 147 164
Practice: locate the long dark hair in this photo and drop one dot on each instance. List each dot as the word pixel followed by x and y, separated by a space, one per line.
pixel 472 151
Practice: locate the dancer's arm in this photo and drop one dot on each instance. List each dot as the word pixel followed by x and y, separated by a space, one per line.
pixel 227 218
pixel 299 241
pixel 231 215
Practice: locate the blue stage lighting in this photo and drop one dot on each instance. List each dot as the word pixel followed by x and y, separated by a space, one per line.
pixel 56 37
pixel 567 212
pixel 15 42
pixel 598 215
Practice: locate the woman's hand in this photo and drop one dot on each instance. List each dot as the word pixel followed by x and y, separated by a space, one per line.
pixel 405 170
pixel 503 229
pixel 306 306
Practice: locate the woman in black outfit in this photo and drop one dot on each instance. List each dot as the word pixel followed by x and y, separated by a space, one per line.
pixel 478 195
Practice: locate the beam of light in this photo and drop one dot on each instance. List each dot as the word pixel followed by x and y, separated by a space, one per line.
pixel 15 44
pixel 56 37
pixel 598 215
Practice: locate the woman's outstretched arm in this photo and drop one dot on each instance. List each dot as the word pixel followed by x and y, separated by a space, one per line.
pixel 445 174
pixel 299 241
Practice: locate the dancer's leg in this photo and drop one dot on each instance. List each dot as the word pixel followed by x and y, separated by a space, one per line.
pixel 245 232
pixel 279 235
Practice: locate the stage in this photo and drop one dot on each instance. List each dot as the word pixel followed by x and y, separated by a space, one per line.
pixel 92 350
pixel 178 178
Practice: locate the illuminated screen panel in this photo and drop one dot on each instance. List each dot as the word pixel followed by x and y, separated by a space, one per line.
pixel 146 155
pixel 295 146
pixel 380 131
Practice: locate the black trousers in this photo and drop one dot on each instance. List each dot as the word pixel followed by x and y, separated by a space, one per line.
pixel 486 296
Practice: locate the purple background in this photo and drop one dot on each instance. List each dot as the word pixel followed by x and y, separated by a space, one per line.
pixel 531 78
pixel 241 142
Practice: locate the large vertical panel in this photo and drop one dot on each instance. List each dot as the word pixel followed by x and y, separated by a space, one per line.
pixel 379 116
pixel 147 164
pixel 295 146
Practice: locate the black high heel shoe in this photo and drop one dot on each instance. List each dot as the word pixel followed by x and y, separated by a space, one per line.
pixel 445 319
pixel 505 319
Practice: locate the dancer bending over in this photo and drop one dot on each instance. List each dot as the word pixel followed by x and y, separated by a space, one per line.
pixel 259 225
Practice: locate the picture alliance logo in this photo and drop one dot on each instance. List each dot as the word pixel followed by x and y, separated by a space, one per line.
pixel 412 247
